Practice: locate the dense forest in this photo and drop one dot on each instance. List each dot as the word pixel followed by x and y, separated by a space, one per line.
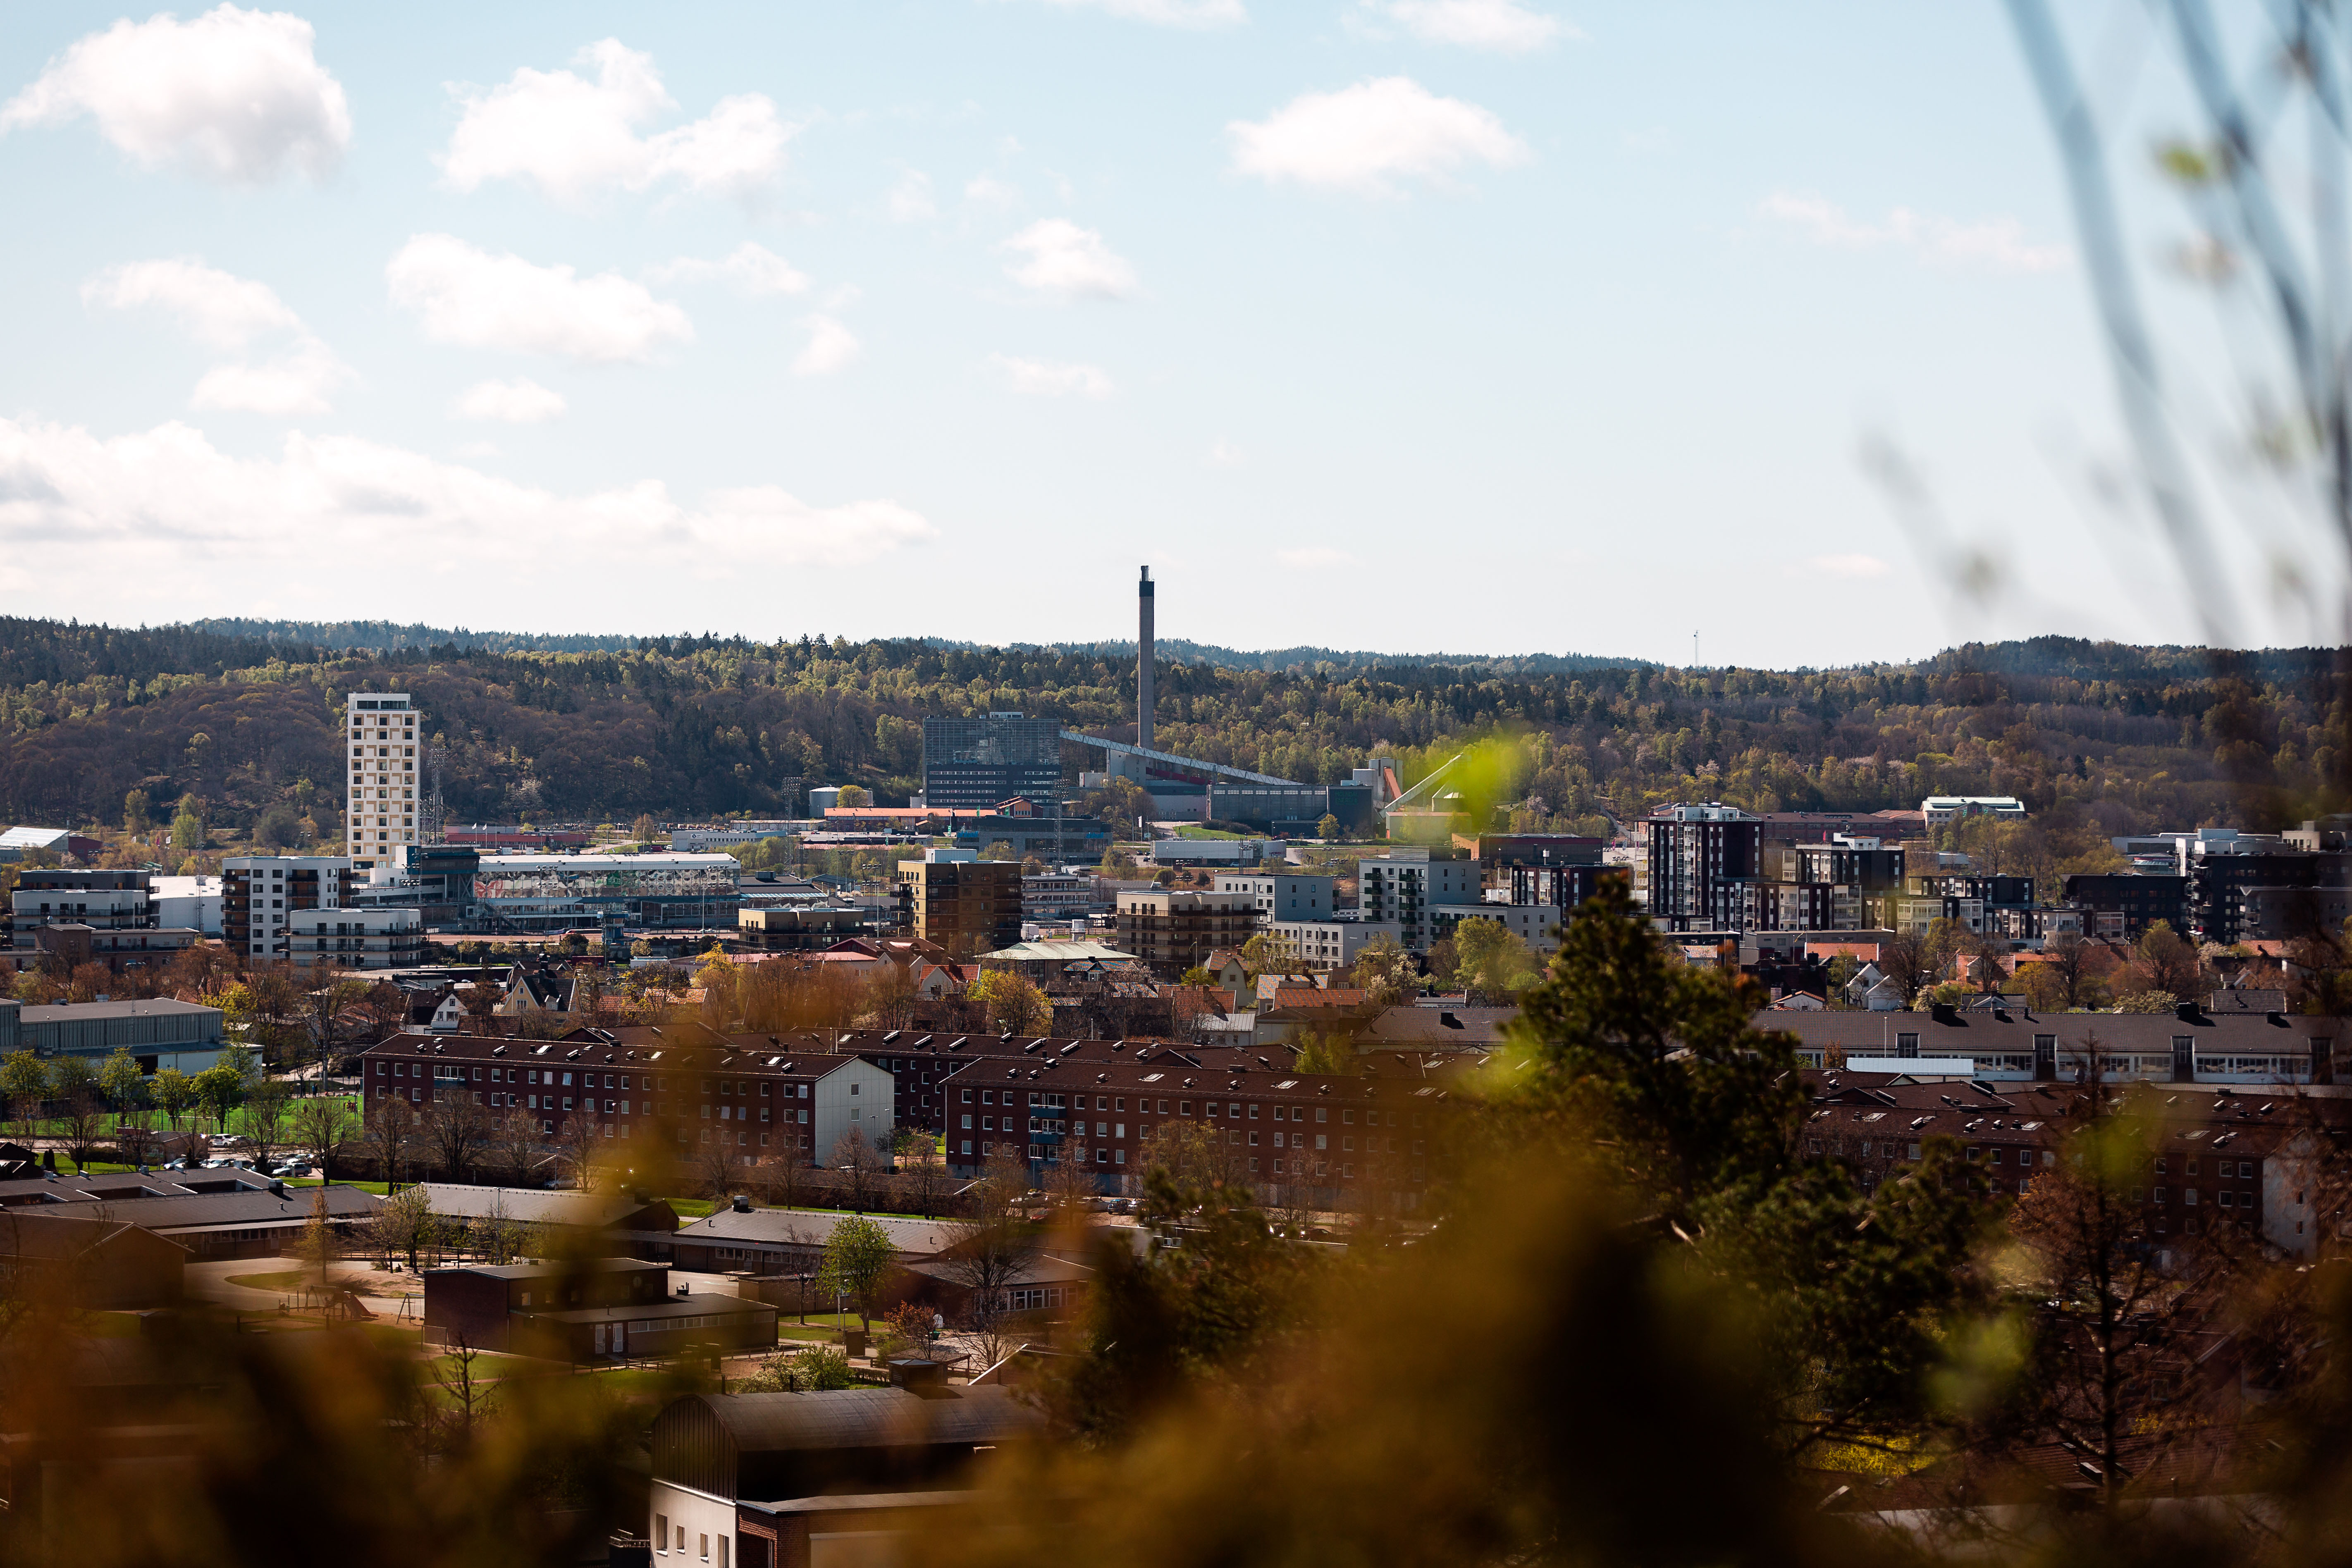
pixel 2108 737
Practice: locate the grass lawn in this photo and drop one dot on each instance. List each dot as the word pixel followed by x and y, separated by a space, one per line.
pixel 378 1188
pixel 691 1208
pixel 820 1325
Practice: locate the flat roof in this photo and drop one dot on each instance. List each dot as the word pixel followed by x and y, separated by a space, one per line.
pixel 542 1271
pixel 668 1307
pixel 147 1007
pixel 675 861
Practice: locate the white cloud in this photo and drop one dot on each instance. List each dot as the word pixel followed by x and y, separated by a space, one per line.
pixel 1850 565
pixel 234 96
pixel 981 191
pixel 1999 245
pixel 296 381
pixel 1165 13
pixel 217 309
pixel 222 311
pixel 1316 556
pixel 1064 259
pixel 571 136
pixel 831 347
pixel 749 269
pixel 1223 454
pixel 201 520
pixel 1507 26
pixel 1042 378
pixel 1365 138
pixel 473 298
pixel 910 198
pixel 518 402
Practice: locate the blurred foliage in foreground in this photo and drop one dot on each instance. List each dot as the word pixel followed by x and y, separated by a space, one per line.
pixel 1641 1327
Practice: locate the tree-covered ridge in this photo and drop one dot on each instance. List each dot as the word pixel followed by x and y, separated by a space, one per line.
pixel 2113 738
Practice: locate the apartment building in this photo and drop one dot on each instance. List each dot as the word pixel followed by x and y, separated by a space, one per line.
pixel 1173 932
pixel 1698 857
pixel 1284 895
pixel 748 1093
pixel 380 805
pixel 1334 944
pixel 262 894
pixel 379 937
pixel 1400 888
pixel 967 907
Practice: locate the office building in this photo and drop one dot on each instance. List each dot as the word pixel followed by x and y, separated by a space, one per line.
pixel 1284 895
pixel 558 892
pixel 261 893
pixel 967 907
pixel 973 763
pixel 380 809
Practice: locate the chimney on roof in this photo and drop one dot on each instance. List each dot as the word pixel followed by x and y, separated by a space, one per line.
pixel 1143 660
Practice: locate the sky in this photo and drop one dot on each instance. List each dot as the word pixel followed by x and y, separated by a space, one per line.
pixel 1474 326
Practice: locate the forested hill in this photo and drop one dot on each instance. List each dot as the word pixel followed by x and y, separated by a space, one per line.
pixel 2114 738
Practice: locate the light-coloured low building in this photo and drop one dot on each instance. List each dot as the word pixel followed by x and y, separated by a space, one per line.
pixel 193 902
pixel 1538 925
pixel 1284 895
pixel 1943 810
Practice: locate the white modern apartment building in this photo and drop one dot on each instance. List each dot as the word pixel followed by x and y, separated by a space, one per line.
pixel 385 938
pixel 379 810
pixel 1334 944
pixel 1284 895
pixel 1405 884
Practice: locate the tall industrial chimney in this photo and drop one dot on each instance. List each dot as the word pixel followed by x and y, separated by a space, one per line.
pixel 1143 661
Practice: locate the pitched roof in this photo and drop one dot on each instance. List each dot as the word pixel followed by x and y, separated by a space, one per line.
pixel 1453 1026
pixel 533 1206
pixel 806 1227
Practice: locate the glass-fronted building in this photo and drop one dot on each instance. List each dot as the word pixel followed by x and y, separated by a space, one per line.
pixel 556 892
pixel 970 764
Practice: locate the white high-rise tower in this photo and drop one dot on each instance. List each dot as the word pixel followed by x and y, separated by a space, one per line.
pixel 380 811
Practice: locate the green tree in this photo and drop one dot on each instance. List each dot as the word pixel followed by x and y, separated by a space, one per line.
pixel 187 829
pixel 859 1256
pixel 1328 827
pixel 855 795
pixel 1270 953
pixel 71 1076
pixel 173 1091
pixel 24 1080
pixel 1490 959
pixel 122 1079
pixel 1015 1004
pixel 135 811
pixel 1704 1114
pixel 219 1092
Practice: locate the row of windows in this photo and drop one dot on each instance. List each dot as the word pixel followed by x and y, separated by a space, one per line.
pixel 653 1081
pixel 1232 1110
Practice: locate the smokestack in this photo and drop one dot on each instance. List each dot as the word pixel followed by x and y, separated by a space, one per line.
pixel 1143 661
